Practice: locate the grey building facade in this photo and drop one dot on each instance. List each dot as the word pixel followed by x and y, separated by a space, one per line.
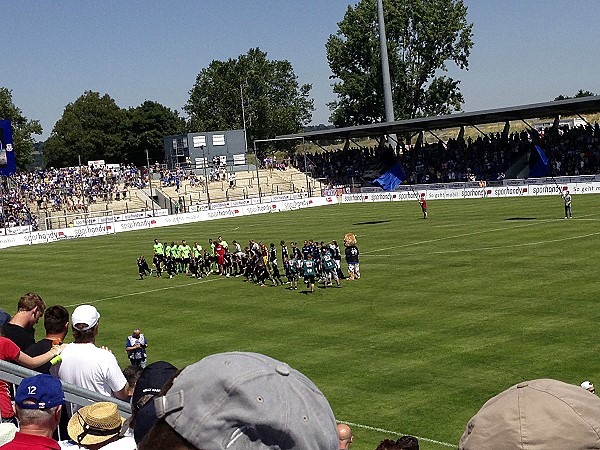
pixel 198 150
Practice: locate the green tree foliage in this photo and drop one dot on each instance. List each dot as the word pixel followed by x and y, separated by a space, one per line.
pixel 273 101
pixel 147 125
pixel 580 94
pixel 95 127
pixel 92 127
pixel 423 36
pixel 22 128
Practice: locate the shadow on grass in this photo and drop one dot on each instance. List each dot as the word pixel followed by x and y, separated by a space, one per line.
pixel 374 222
pixel 521 218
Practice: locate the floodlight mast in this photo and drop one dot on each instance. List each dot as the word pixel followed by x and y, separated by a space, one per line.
pixel 385 70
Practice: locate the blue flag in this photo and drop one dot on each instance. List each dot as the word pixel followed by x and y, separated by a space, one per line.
pixel 539 166
pixel 391 179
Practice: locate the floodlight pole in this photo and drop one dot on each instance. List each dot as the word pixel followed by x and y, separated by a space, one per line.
pixel 150 181
pixel 385 69
pixel 81 180
pixel 204 163
pixel 257 164
pixel 244 118
pixel 306 169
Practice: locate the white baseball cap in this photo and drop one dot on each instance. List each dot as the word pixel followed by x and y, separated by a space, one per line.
pixel 86 314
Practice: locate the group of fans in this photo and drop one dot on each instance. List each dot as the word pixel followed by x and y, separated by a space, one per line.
pixel 315 261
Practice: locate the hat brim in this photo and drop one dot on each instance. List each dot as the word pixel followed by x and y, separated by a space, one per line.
pixel 75 429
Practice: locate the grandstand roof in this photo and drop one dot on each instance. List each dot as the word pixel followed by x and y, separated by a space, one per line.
pixel 574 106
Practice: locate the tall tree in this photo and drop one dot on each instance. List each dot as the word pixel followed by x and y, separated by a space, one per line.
pixel 580 94
pixel 92 127
pixel 423 36
pixel 273 102
pixel 147 125
pixel 22 128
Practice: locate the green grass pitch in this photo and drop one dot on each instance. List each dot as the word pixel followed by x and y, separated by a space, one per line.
pixel 449 311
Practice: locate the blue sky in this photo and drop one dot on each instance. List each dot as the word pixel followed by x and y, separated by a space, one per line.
pixel 525 51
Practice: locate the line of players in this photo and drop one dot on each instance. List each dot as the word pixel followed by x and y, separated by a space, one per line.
pixel 257 262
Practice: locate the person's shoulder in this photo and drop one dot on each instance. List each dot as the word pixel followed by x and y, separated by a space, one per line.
pixel 125 443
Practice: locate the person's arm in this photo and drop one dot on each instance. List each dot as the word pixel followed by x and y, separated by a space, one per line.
pixel 123 394
pixel 32 362
pixel 133 347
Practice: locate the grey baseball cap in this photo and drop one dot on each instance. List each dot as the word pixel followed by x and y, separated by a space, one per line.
pixel 247 401
pixel 540 414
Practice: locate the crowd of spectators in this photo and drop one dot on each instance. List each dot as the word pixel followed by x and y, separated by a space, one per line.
pixel 71 189
pixel 571 151
pixel 14 210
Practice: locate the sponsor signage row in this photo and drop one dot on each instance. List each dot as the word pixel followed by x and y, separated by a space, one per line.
pixel 435 193
pixel 118 217
pixel 141 223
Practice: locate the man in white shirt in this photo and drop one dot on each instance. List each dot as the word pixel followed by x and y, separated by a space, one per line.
pixel 86 365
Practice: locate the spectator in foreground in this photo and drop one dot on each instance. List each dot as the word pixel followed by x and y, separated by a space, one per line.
pixel 344 436
pixel 241 401
pixel 408 443
pixel 56 323
pixel 588 386
pixel 38 402
pixel 10 352
pixel 149 384
pixel 20 329
pixel 536 415
pixel 99 425
pixel 86 365
pixel 403 443
pixel 132 374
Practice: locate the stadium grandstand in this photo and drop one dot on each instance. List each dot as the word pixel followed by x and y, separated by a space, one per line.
pixel 52 198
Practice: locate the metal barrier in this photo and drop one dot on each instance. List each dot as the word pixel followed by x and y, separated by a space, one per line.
pixel 14 374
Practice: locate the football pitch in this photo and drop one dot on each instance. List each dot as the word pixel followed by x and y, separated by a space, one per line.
pixel 448 312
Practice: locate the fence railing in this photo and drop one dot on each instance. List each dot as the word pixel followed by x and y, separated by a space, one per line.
pixel 12 373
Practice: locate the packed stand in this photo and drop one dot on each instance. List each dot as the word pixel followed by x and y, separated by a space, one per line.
pixel 572 151
pixel 14 209
pixel 71 188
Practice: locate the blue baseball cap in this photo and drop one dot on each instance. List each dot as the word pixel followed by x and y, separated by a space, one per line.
pixel 44 390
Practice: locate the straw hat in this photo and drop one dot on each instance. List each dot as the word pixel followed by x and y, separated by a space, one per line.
pixel 95 423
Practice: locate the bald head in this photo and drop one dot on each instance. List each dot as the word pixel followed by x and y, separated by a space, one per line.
pixel 344 435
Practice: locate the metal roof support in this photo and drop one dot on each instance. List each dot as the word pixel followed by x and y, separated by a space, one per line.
pixel 477 128
pixel 438 138
pixel 584 119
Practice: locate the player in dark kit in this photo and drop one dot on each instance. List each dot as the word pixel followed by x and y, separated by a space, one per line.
pixel 274 266
pixel 170 266
pixel 309 273
pixel 291 270
pixel 193 267
pixel 143 268
pixel 329 268
pixel 158 258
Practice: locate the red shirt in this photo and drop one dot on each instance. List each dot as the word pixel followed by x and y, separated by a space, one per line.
pixel 23 441
pixel 8 352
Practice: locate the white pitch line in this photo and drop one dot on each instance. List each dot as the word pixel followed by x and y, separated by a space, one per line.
pixel 499 247
pixel 445 238
pixel 525 244
pixel 381 430
pixel 145 292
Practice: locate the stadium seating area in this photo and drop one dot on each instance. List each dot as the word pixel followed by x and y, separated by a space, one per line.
pixel 28 196
pixel 572 151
